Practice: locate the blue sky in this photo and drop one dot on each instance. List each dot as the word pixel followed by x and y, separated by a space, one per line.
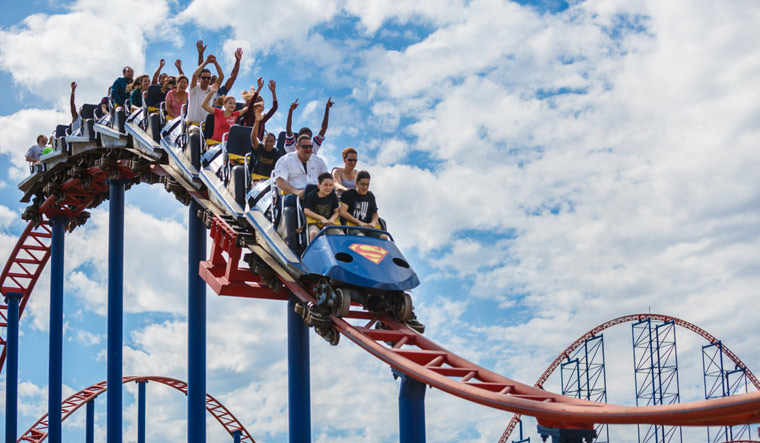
pixel 545 166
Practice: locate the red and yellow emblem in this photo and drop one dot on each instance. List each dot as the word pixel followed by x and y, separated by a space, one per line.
pixel 375 254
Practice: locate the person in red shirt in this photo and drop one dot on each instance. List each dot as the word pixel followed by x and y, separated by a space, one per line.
pixel 223 118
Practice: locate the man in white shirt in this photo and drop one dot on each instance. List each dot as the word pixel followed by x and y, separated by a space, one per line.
pixel 198 90
pixel 33 154
pixel 295 170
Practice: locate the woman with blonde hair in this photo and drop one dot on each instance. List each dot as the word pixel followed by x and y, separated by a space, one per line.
pixel 345 178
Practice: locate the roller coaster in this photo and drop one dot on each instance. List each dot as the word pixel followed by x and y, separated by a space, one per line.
pixel 333 285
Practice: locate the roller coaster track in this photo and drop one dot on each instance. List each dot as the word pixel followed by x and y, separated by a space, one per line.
pixel 392 342
pixel 39 430
pixel 627 319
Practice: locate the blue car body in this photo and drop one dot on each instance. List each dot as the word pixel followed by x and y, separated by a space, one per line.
pixel 360 261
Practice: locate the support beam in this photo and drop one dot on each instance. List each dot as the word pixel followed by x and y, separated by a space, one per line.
pixel 299 395
pixel 89 432
pixel 55 362
pixel 411 409
pixel 141 411
pixel 115 310
pixel 11 369
pixel 196 329
pixel 236 436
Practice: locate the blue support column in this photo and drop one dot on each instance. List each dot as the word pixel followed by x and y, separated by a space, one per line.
pixel 411 409
pixel 11 368
pixel 196 330
pixel 299 395
pixel 141 411
pixel 55 362
pixel 236 436
pixel 89 432
pixel 115 310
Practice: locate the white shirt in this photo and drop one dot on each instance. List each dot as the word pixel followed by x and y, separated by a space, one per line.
pixel 290 168
pixel 195 97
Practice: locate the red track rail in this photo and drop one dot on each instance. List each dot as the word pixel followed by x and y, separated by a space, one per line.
pixel 39 430
pixel 616 321
pixel 32 251
pixel 429 363
pixel 22 270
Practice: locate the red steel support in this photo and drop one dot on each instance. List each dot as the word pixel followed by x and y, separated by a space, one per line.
pixel 224 274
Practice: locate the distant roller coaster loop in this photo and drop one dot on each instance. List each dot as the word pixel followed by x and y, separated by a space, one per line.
pixel 627 319
pixel 39 430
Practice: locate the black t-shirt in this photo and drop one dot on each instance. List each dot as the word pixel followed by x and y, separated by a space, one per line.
pixel 265 161
pixel 324 206
pixel 362 207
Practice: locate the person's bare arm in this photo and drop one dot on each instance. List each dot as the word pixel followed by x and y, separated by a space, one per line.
pixel 178 64
pixel 337 175
pixel 219 73
pixel 72 104
pixel 235 69
pixel 205 104
pixel 283 185
pixel 289 124
pixel 308 212
pixel 201 49
pixel 194 79
pixel 326 118
pixel 346 215
pixel 156 74
pixel 255 131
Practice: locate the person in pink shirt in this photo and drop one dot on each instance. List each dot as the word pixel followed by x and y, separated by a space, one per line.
pixel 177 97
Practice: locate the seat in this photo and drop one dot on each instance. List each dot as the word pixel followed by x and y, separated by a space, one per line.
pixel 88 111
pixel 239 106
pixel 154 96
pixel 281 142
pixel 239 141
pixel 208 127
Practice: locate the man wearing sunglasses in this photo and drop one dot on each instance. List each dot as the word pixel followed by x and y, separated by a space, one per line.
pixel 199 89
pixel 294 171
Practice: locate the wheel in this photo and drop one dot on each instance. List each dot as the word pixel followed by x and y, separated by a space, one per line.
pixel 341 302
pixel 329 334
pixel 402 307
pixel 324 292
pixel 194 150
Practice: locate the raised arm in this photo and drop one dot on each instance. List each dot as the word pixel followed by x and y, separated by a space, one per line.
pixel 161 64
pixel 201 49
pixel 178 64
pixel 72 105
pixel 255 131
pixel 219 73
pixel 207 98
pixel 273 109
pixel 289 124
pixel 233 75
pixel 325 119
pixel 194 79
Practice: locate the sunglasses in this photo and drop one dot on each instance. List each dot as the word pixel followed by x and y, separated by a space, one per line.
pixel 352 160
pixel 205 78
pixel 306 146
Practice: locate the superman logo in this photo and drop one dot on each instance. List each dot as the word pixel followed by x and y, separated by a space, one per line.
pixel 375 254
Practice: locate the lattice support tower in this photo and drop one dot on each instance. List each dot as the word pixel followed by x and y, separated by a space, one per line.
pixel 584 376
pixel 720 382
pixel 656 374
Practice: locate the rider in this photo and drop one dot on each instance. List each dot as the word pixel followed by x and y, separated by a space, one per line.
pixel 295 170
